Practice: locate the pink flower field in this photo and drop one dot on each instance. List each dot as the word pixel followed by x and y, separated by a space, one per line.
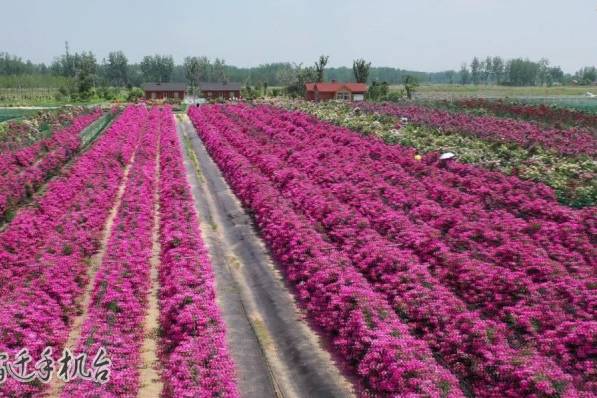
pixel 24 170
pixel 571 141
pixel 412 276
pixel 488 273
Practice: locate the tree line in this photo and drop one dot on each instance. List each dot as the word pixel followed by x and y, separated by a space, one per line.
pixel 519 72
pixel 84 72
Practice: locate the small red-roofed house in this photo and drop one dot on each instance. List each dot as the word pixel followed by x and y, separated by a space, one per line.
pixel 335 91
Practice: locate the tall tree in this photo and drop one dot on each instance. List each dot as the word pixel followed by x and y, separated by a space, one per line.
pixel 360 69
pixel 116 68
pixel 157 68
pixel 320 67
pixel 191 71
pixel 165 67
pixel 557 74
pixel 285 74
pixel 475 70
pixel 219 70
pixel 465 76
pixel 410 85
pixel 302 76
pixel 487 70
pixel 543 75
pixel 522 72
pixel 497 68
pixel 204 68
pixel 587 75
pixel 450 76
pixel 86 69
pixel 149 68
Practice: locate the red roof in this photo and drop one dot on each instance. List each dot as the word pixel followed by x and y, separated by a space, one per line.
pixel 334 87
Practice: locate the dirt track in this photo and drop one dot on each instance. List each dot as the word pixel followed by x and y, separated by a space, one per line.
pixel 275 351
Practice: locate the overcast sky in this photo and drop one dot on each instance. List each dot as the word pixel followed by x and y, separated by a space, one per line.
pixel 427 35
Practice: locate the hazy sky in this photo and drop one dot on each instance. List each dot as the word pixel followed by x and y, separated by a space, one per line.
pixel 428 35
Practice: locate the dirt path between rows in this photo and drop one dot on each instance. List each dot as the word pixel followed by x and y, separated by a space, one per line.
pixel 275 351
pixel 56 385
pixel 151 384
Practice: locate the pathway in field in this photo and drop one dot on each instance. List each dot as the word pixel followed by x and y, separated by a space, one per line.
pixel 275 351
pixel 56 384
pixel 149 377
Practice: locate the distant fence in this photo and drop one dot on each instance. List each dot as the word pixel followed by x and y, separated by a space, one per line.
pixel 9 95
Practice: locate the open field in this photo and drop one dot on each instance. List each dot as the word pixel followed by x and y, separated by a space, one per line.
pixel 27 96
pixel 481 90
pixel 286 248
pixel 11 113
pixel 573 97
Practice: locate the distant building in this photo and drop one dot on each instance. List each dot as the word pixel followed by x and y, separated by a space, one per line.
pixel 224 90
pixel 164 90
pixel 335 91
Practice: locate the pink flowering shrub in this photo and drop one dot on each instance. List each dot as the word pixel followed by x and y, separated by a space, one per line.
pixel 362 327
pixel 23 172
pixel 194 355
pixel 118 304
pixel 545 114
pixel 44 251
pixel 571 141
pixel 20 133
pixel 444 287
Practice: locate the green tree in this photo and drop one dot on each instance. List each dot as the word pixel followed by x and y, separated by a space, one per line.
pixel 378 91
pixel 320 67
pixel 487 70
pixel 149 68
pixel 475 70
pixel 302 76
pixel 557 74
pixel 204 68
pixel 165 67
pixel 450 76
pixel 85 73
pixel 522 72
pixel 157 68
pixel 285 74
pixel 410 85
pixel 465 76
pixel 543 75
pixel 191 70
pixel 497 69
pixel 219 70
pixel 116 69
pixel 587 75
pixel 360 69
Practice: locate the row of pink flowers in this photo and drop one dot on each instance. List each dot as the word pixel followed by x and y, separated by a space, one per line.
pixel 394 271
pixel 545 114
pixel 530 209
pixel 44 251
pixel 194 355
pixel 11 160
pixel 24 171
pixel 362 327
pixel 119 299
pixel 536 293
pixel 564 233
pixel 19 133
pixel 571 141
